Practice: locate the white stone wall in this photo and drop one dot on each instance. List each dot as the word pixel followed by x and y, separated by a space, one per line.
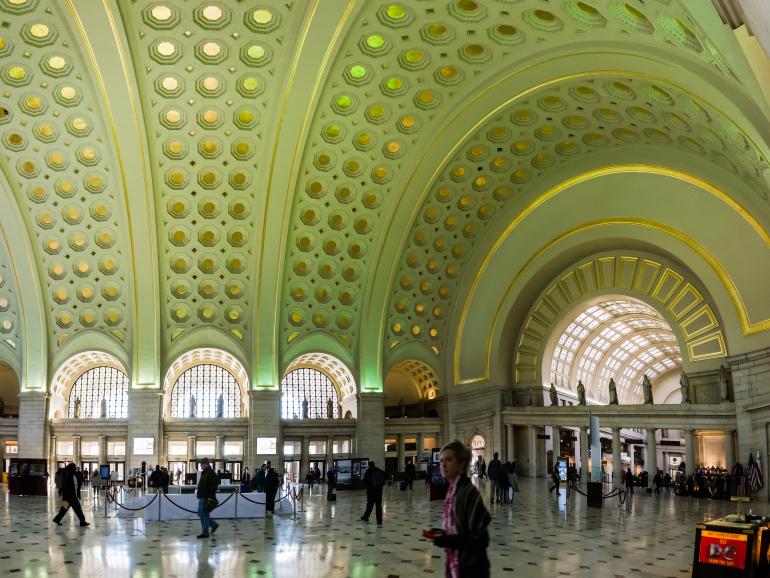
pixel 33 431
pixel 264 422
pixel 370 428
pixel 144 420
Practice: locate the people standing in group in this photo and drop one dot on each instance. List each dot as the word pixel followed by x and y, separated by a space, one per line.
pixel 69 490
pixel 207 498
pixel 555 479
pixel 411 474
pixel 156 479
pixel 374 481
pixel 272 481
pixel 465 519
pixel 493 470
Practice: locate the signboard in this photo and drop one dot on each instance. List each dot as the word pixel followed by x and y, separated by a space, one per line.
pixel 562 464
pixel 266 446
pixel 723 549
pixel 344 472
pixel 144 446
pixel 364 466
pixel 104 472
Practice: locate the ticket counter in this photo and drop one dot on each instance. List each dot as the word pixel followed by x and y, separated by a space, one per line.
pixel 732 547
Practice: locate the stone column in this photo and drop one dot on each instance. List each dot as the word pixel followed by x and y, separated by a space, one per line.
pixel 102 450
pixel 52 456
pixel 190 448
pixel 420 444
pixel 330 452
pixel 584 453
pixel 631 452
pixel 555 442
pixel 219 448
pixel 689 450
pixel 400 446
pixel 617 479
pixel 33 413
pixel 510 445
pixel 265 422
pixel 651 463
pixel 532 450
pixel 729 450
pixel 370 428
pixel 304 459
pixel 76 451
pixel 163 452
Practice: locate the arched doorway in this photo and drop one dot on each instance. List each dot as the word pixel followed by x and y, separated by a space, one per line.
pixel 478 458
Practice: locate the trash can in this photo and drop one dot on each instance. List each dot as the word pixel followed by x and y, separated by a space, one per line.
pixel 594 494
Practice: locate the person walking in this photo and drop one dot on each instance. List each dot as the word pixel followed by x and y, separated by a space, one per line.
pixel 156 479
pixel 493 471
pixel 465 536
pixel 331 483
pixel 374 481
pixel 96 483
pixel 207 498
pixel 166 479
pixel 630 479
pixel 555 479
pixel 69 492
pixel 411 474
pixel 271 487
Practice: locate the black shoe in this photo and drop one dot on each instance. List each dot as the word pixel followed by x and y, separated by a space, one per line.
pixel 84 524
pixel 57 522
pixel 379 524
pixel 364 519
pixel 204 535
pixel 214 528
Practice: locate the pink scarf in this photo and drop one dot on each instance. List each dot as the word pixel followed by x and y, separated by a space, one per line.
pixel 452 556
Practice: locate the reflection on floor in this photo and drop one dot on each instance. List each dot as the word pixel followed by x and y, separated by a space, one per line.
pixel 539 536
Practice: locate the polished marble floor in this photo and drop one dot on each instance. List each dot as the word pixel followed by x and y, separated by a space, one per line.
pixel 538 536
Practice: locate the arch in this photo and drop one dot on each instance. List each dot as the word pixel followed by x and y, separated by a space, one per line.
pixel 306 390
pixel 206 337
pixel 90 341
pixel 68 373
pixel 668 289
pixel 194 380
pixel 315 343
pixel 99 392
pixel 411 380
pixel 609 337
pixel 329 365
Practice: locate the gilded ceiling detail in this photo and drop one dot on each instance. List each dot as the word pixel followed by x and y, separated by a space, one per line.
pixel 57 155
pixel 210 76
pixel 507 156
pixel 399 71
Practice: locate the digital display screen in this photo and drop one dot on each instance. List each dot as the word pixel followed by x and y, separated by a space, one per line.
pixel 562 469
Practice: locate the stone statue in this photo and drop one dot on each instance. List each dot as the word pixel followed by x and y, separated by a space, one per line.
pixel 2 407
pixel 684 385
pixel 647 388
pixel 305 410
pixel 581 391
pixel 221 406
pixel 724 384
pixel 613 392
pixel 77 407
pixel 554 396
pixel 329 408
pixel 193 407
pixel 506 398
pixel 531 398
pixel 402 407
pixel 103 408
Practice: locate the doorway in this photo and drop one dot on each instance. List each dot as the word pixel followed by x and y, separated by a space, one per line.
pixel 90 466
pixel 120 469
pixel 321 465
pixel 291 469
pixel 177 470
pixel 477 452
pixel 235 469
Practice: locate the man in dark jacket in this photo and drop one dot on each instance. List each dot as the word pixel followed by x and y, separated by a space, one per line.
pixel 374 480
pixel 411 474
pixel 271 487
pixel 69 493
pixel 156 479
pixel 207 496
pixel 493 471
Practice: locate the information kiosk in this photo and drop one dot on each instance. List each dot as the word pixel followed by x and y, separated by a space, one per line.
pixel 732 547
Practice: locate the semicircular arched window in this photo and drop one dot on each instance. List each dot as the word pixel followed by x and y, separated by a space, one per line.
pixel 206 391
pixel 100 392
pixel 311 385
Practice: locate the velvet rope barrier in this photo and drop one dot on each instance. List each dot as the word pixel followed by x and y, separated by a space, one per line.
pixel 147 505
pixel 620 493
pixel 195 512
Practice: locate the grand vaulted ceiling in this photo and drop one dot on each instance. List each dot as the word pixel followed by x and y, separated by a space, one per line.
pixel 292 165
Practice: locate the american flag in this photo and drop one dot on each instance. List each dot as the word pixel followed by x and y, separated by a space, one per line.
pixel 754 474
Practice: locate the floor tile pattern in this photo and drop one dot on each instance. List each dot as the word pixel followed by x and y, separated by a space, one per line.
pixel 539 536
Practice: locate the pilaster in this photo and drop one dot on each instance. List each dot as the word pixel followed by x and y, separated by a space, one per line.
pixel 144 421
pixel 370 428
pixel 33 424
pixel 264 422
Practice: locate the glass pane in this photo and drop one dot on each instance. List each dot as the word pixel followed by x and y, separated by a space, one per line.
pixel 206 391
pixel 311 386
pixel 100 393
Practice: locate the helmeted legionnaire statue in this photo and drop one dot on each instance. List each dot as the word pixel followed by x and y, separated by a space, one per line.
pixel 193 407
pixel 613 392
pixel 531 398
pixel 554 396
pixel 581 391
pixel 2 407
pixel 684 386
pixel 647 389
pixel 221 406
pixel 103 408
pixel 305 405
pixel 402 407
pixel 329 408
pixel 724 384
pixel 77 407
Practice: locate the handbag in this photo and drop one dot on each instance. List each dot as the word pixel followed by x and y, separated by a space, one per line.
pixel 65 504
pixel 211 503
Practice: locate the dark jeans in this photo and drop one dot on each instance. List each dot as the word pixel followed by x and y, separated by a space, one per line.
pixel 330 489
pixel 206 522
pixel 373 498
pixel 270 499
pixel 75 505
